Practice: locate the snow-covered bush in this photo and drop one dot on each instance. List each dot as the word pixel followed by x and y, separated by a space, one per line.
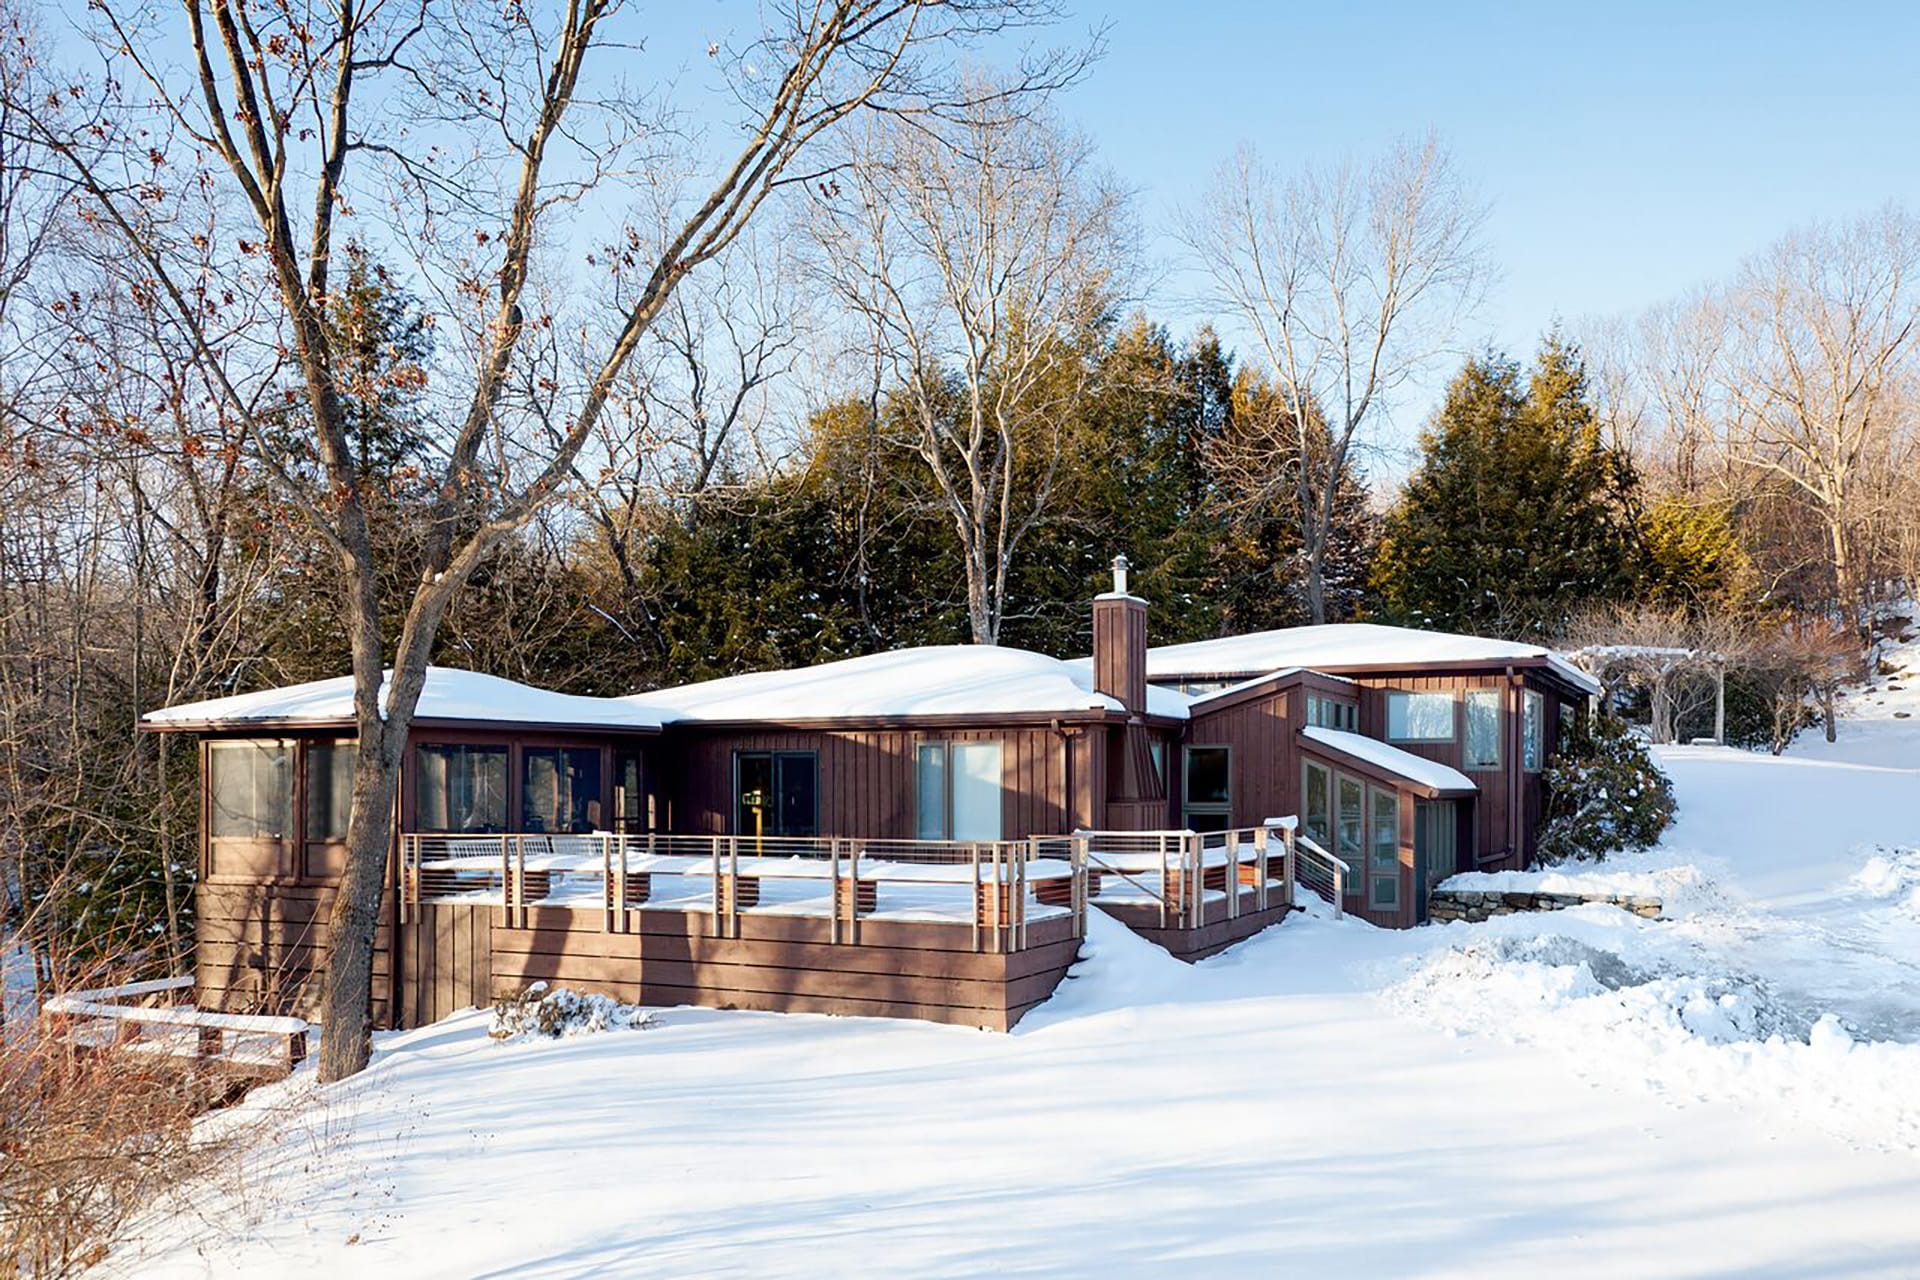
pixel 1604 794
pixel 538 1011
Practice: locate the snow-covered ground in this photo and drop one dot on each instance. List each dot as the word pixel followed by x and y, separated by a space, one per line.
pixel 1734 1090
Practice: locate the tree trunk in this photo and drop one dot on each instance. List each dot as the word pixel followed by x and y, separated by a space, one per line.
pixel 346 1038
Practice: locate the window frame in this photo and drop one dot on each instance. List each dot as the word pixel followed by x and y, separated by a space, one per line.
pixel 1453 714
pixel 1308 767
pixel 508 793
pixel 945 748
pixel 1189 808
pixel 1476 764
pixel 1376 877
pixel 1357 873
pixel 1533 730
pixel 737 813
pixel 290 803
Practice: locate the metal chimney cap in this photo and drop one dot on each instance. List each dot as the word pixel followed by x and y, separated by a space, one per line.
pixel 1120 567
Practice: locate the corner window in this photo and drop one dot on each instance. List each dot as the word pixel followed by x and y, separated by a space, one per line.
pixel 1483 728
pixel 250 789
pixel 1420 717
pixel 1209 795
pixel 462 787
pixel 1532 724
pixel 329 789
pixel 957 790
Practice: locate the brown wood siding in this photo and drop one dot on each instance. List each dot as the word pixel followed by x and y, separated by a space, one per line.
pixel 867 777
pixel 263 948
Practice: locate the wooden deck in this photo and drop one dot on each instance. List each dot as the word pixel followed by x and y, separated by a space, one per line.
pixel 966 933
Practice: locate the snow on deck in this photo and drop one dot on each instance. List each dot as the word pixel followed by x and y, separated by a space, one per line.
pixel 1429 773
pixel 1345 644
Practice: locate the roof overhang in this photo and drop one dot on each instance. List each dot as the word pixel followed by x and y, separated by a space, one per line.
pixel 1377 772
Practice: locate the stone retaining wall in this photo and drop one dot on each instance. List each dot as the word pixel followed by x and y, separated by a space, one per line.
pixel 1480 904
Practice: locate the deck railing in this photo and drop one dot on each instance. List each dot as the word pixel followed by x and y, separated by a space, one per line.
pixel 1181 871
pixel 726 875
pixel 1322 872
pixel 120 1018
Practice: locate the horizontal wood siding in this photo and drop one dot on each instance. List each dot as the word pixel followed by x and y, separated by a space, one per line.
pixel 263 948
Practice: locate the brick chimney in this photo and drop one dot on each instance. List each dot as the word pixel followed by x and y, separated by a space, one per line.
pixel 1120 642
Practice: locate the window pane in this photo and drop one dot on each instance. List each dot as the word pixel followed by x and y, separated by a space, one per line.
pixel 1319 821
pixel 1207 781
pixel 930 792
pixel 1386 832
pixel 796 787
pixel 629 796
pixel 251 790
pixel 1386 891
pixel 1530 730
pixel 976 790
pixel 753 802
pixel 1351 832
pixel 559 789
pixel 1420 717
pixel 329 789
pixel 462 788
pixel 1483 729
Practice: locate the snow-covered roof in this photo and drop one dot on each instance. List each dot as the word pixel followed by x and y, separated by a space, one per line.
pixel 1429 773
pixel 1346 646
pixel 932 680
pixel 449 694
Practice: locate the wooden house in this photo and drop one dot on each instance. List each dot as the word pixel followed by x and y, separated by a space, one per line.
pixel 916 833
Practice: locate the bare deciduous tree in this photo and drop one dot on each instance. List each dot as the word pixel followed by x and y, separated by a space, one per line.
pixel 1348 281
pixel 471 135
pixel 1823 329
pixel 978 257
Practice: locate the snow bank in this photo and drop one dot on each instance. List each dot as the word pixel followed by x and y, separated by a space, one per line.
pixel 1619 1006
pixel 1892 874
pixel 1681 887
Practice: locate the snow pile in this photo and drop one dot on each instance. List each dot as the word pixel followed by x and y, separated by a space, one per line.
pixel 1682 887
pixel 1622 1006
pixel 538 1012
pixel 1892 873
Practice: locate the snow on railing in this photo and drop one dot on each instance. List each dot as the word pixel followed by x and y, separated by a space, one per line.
pixel 98 1019
pixel 518 871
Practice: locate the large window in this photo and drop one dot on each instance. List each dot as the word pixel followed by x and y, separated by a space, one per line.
pixel 777 793
pixel 1383 852
pixel 957 790
pixel 1483 728
pixel 1533 715
pixel 1317 807
pixel 560 789
pixel 329 789
pixel 1333 713
pixel 1420 717
pixel 1351 832
pixel 250 786
pixel 462 787
pixel 1209 794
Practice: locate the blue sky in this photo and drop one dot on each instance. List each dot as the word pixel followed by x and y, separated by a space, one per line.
pixel 1627 151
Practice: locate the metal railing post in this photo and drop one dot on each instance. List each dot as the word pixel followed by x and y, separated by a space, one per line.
pixel 1289 864
pixel 833 892
pixel 1233 874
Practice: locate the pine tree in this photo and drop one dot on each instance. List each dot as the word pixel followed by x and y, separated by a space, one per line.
pixel 1518 512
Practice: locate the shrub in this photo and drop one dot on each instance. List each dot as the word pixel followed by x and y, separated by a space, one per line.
pixel 1604 794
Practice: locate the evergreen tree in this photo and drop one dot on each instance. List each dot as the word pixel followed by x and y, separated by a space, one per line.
pixel 1518 512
